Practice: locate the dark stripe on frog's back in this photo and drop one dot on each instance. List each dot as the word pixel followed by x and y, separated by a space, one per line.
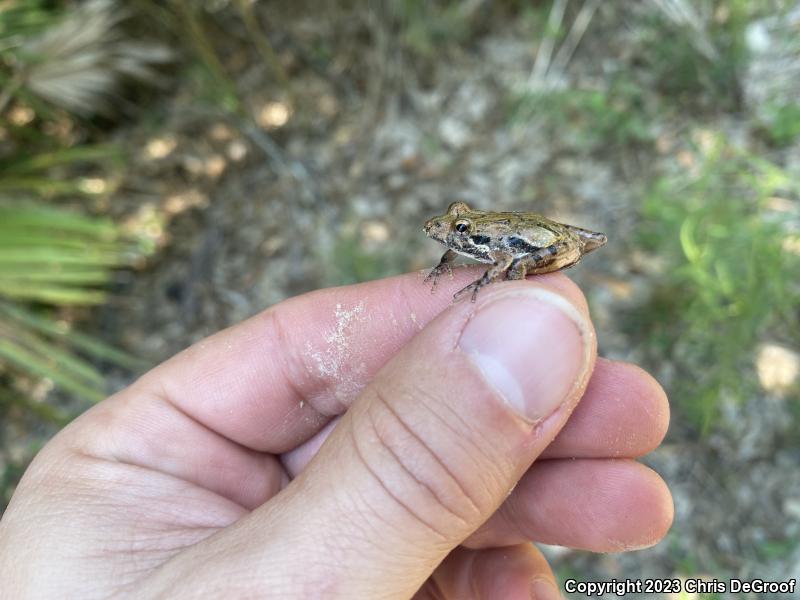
pixel 530 229
pixel 520 245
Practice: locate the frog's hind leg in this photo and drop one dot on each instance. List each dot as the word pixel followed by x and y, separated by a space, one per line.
pixel 518 269
pixel 555 257
pixel 498 270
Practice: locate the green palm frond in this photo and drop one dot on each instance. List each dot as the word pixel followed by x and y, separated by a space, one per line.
pixel 33 173
pixel 32 164
pixel 49 255
pixel 55 257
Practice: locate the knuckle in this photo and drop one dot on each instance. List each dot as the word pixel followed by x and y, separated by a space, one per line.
pixel 413 463
pixel 296 372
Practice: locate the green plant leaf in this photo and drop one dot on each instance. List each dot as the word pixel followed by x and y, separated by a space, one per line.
pixel 52 294
pixel 40 219
pixel 29 362
pixel 727 282
pixel 42 161
pixel 79 341
pixel 11 274
pixel 690 249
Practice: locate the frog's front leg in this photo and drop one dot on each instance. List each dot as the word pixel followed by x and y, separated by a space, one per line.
pixel 445 264
pixel 501 261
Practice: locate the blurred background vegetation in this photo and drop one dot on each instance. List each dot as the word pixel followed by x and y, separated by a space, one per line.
pixel 168 168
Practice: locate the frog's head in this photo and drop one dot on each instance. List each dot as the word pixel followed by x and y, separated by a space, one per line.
pixel 452 228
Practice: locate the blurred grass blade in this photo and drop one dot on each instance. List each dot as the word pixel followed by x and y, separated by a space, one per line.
pixel 62 156
pixel 58 257
pixel 190 15
pixel 46 411
pixel 42 186
pixel 70 364
pixel 79 341
pixel 20 274
pixel 38 217
pixel 29 362
pixel 52 294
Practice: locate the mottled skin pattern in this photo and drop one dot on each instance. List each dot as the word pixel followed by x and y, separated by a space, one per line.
pixel 516 244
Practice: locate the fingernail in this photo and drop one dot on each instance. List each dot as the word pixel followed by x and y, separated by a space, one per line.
pixel 544 589
pixel 531 346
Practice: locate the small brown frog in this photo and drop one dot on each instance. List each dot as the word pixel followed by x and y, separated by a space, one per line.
pixel 516 244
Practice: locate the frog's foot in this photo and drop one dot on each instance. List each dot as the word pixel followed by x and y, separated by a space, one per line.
pixel 445 264
pixel 476 285
pixel 436 272
pixel 497 272
pixel 472 287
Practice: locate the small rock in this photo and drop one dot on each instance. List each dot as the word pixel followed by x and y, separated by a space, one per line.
pixel 454 133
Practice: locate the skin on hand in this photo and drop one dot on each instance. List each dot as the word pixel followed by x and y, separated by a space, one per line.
pixel 221 471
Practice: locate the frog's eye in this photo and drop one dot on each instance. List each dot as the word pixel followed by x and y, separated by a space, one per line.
pixel 462 226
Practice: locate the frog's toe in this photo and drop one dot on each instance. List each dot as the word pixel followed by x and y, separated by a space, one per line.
pixel 435 278
pixel 472 287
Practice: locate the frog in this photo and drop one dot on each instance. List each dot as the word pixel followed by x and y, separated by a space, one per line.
pixel 515 244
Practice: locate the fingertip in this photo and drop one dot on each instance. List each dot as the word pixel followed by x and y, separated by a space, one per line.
pixel 660 403
pixel 656 494
pixel 515 571
pixel 623 413
pixel 652 403
pixel 601 505
pixel 641 491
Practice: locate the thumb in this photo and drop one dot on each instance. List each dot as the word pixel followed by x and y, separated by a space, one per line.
pixel 428 451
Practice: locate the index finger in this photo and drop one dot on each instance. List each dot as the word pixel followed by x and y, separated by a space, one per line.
pixel 272 381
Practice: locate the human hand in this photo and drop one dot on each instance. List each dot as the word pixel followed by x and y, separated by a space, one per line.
pixel 208 477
